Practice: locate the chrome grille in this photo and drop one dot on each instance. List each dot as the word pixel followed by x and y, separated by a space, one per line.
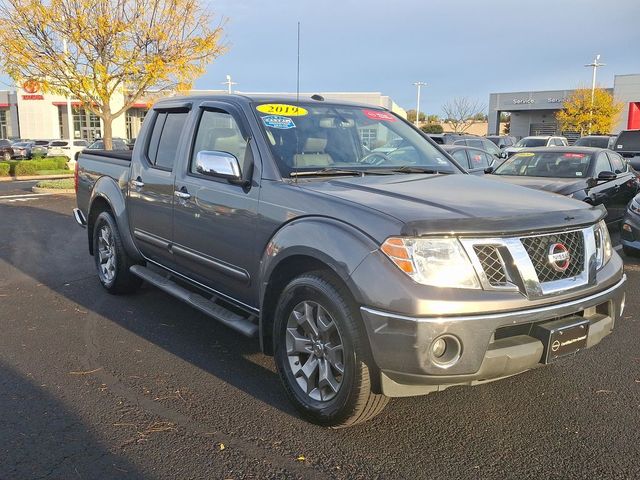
pixel 492 264
pixel 538 249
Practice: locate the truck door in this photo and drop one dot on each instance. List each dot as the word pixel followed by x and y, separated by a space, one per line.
pixel 151 189
pixel 215 220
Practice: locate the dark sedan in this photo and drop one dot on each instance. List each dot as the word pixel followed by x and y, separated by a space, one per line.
pixel 6 152
pixel 22 149
pixel 473 160
pixel 594 175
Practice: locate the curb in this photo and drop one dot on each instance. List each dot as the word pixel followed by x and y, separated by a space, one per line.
pixel 61 191
pixel 35 177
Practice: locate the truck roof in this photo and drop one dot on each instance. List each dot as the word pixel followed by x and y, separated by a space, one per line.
pixel 264 98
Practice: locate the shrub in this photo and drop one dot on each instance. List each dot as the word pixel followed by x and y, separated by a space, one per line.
pixel 63 184
pixel 4 169
pixel 31 167
pixel 432 128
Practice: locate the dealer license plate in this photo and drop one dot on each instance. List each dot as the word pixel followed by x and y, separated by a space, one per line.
pixel 562 337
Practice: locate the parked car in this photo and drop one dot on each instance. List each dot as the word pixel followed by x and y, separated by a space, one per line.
pixel 448 138
pixel 482 144
pixel 594 175
pixel 22 150
pixel 473 160
pixel 630 231
pixel 502 141
pixel 627 144
pixel 67 148
pixel 6 152
pixel 117 144
pixel 597 141
pixel 40 148
pixel 536 141
pixel 365 276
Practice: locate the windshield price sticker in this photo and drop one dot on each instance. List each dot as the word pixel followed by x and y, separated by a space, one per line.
pixel 282 109
pixel 276 121
pixel 379 115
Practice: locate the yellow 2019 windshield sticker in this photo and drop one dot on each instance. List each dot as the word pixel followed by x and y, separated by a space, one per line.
pixel 282 109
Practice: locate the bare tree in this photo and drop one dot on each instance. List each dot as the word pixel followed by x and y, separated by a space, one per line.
pixel 461 113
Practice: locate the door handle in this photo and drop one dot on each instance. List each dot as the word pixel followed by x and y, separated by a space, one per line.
pixel 181 194
pixel 138 183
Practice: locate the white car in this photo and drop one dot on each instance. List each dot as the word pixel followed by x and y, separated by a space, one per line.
pixel 537 141
pixel 67 148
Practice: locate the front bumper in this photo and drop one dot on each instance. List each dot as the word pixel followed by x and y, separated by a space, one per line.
pixel 492 346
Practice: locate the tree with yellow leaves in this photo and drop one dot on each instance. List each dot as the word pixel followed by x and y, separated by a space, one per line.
pixel 579 114
pixel 93 49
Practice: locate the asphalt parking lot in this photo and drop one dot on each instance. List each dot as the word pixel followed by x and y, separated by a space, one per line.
pixel 100 386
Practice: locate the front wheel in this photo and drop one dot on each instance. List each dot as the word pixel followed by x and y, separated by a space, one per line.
pixel 319 353
pixel 6 156
pixel 112 260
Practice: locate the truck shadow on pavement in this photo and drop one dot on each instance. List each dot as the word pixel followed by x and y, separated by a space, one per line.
pixel 40 438
pixel 59 260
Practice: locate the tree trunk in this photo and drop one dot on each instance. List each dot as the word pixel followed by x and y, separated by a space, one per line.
pixel 107 123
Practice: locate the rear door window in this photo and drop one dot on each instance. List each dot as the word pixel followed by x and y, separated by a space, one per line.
pixel 618 164
pixel 165 138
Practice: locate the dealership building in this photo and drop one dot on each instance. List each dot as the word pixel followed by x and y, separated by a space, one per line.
pixel 534 113
pixel 30 113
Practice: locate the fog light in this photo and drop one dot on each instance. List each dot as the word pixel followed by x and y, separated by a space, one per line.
pixel 446 351
pixel 439 347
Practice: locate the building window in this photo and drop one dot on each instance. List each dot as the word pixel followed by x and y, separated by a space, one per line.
pixel 86 124
pixel 133 120
pixel 3 124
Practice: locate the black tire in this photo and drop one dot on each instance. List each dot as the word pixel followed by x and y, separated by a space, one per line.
pixel 120 279
pixel 354 401
pixel 6 156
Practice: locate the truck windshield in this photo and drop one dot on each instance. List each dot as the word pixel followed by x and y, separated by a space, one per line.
pixel 546 164
pixel 309 137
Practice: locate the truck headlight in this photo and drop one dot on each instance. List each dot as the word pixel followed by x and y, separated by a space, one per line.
pixel 603 244
pixel 439 262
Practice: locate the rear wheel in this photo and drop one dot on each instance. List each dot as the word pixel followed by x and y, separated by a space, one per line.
pixel 112 260
pixel 319 353
pixel 6 156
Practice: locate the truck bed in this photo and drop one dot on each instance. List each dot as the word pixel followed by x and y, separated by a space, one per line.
pixel 94 164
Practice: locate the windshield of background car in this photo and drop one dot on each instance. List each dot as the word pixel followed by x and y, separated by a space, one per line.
pixel 598 142
pixel 546 164
pixel 532 142
pixel 628 140
pixel 311 137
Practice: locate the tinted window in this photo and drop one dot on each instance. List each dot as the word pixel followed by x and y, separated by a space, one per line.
pixel 532 142
pixel 490 147
pixel 80 143
pixel 475 143
pixel 546 164
pixel 461 157
pixel 602 164
pixel 628 141
pixel 617 163
pixel 218 131
pixel 5 143
pixel 60 143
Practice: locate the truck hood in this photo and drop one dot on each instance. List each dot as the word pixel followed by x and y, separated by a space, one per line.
pixel 460 204
pixel 563 186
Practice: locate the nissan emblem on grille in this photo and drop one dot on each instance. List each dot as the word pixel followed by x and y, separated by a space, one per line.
pixel 559 257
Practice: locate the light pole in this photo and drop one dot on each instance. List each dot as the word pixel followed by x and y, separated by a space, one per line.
pixel 229 83
pixel 419 85
pixel 595 64
pixel 69 106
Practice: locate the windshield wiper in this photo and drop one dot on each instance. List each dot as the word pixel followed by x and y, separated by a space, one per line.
pixel 413 169
pixel 338 171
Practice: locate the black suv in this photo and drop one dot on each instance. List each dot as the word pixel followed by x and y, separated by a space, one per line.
pixel 628 145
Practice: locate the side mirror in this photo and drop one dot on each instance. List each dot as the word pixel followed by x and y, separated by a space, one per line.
pixel 606 176
pixel 489 170
pixel 218 164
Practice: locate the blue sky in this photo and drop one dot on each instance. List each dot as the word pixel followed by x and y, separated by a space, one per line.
pixel 459 47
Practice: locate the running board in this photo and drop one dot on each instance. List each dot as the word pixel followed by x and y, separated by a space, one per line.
pixel 230 319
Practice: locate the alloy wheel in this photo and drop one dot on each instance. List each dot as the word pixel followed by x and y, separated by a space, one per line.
pixel 106 254
pixel 315 351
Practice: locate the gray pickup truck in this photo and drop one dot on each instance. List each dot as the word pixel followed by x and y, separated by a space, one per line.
pixel 366 274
